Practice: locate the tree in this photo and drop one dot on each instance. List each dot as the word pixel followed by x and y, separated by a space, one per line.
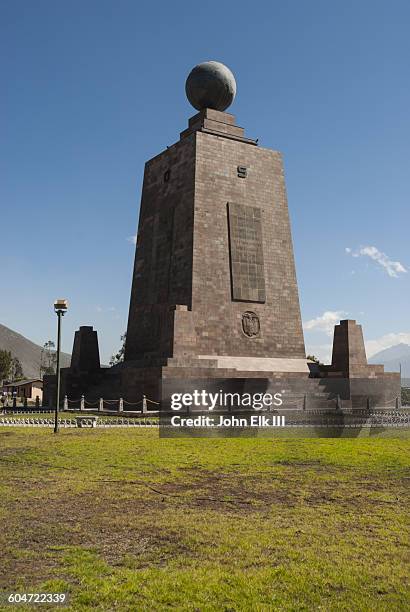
pixel 5 364
pixel 118 357
pixel 16 369
pixel 313 358
pixel 48 358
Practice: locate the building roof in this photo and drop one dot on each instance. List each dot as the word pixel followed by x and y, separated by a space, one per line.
pixel 21 383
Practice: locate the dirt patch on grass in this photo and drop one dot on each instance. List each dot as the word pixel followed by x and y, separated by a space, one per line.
pixel 39 532
pixel 244 493
pixel 20 570
pixel 11 452
pixel 46 514
pixel 216 492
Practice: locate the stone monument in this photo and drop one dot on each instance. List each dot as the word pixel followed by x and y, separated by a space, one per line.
pixel 214 292
pixel 214 289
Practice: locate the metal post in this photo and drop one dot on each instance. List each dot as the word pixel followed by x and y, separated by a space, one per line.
pixel 121 405
pixel 101 405
pixel 59 313
pixel 65 403
pixel 304 402
pixel 144 404
pixel 82 403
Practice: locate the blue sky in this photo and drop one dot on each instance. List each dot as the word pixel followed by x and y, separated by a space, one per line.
pixel 93 89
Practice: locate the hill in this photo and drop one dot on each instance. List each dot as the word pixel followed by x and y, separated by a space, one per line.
pixel 392 357
pixel 28 353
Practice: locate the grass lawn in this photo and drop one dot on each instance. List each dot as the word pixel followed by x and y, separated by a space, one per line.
pixel 122 520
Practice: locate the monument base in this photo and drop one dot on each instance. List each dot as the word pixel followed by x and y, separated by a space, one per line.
pixel 348 383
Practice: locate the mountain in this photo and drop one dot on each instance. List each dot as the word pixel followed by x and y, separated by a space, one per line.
pixel 392 357
pixel 28 353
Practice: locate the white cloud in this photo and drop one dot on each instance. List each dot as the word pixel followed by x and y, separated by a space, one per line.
pixel 386 341
pixel 324 351
pixel 112 310
pixel 393 268
pixel 132 239
pixel 325 322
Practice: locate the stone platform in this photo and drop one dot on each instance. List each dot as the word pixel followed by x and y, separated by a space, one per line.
pixel 348 383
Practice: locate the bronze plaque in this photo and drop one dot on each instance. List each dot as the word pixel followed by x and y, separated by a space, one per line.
pixel 246 253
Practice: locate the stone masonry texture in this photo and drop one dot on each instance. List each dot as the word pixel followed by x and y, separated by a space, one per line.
pixel 182 264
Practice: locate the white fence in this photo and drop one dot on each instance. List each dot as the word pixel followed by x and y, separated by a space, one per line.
pixel 65 423
pixel 390 418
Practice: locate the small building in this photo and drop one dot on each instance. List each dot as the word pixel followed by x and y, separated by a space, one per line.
pixel 29 389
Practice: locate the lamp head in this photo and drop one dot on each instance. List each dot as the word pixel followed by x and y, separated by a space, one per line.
pixel 61 306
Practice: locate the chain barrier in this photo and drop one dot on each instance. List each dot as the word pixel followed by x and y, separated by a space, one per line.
pixel 378 416
pixel 292 403
pixel 99 405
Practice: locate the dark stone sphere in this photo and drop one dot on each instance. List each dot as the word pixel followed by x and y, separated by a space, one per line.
pixel 210 85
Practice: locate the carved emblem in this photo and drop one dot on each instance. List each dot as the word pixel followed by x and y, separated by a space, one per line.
pixel 250 324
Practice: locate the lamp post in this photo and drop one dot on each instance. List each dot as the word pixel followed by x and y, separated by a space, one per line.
pixel 60 308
